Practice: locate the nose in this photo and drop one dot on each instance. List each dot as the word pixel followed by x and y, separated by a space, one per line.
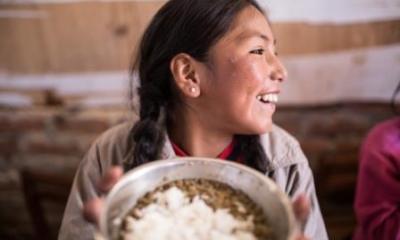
pixel 279 72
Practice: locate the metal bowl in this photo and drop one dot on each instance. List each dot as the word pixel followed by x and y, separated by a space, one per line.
pixel 137 182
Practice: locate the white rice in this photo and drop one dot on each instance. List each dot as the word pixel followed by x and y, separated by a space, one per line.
pixel 174 217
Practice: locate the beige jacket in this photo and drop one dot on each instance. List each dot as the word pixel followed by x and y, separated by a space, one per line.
pixel 289 168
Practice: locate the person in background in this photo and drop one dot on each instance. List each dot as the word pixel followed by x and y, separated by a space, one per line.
pixel 377 200
pixel 209 81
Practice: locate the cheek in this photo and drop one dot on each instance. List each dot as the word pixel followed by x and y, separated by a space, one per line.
pixel 253 71
pixel 247 76
pixel 248 70
pixel 244 82
pixel 239 80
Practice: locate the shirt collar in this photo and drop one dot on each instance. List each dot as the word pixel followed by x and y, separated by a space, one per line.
pixel 179 152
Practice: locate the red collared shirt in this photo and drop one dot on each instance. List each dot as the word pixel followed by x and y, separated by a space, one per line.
pixel 231 152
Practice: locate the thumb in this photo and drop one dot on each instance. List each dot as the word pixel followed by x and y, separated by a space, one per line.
pixel 109 179
pixel 92 210
pixel 301 207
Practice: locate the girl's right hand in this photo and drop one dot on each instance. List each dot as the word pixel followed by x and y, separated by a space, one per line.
pixel 92 208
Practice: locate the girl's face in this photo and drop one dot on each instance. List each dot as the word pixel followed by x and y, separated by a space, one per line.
pixel 240 83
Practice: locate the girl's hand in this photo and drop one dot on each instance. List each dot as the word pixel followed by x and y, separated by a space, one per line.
pixel 301 208
pixel 92 208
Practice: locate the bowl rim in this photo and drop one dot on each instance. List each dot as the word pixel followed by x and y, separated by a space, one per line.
pixel 148 167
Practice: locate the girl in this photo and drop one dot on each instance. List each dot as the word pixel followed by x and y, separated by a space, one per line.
pixel 377 197
pixel 209 81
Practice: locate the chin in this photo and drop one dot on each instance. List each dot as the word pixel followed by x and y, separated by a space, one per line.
pixel 265 129
pixel 259 129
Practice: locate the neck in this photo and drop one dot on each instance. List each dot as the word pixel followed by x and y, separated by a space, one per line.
pixel 197 138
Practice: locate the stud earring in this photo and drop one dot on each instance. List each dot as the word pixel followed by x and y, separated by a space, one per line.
pixel 192 89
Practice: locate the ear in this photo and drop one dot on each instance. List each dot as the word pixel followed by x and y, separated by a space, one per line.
pixel 185 74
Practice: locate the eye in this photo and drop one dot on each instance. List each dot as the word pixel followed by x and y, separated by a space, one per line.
pixel 259 51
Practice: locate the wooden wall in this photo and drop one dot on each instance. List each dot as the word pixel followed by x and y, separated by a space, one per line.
pixel 43 42
pixel 101 36
pixel 62 62
pixel 77 37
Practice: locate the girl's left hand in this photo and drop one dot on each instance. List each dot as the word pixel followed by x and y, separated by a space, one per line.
pixel 301 207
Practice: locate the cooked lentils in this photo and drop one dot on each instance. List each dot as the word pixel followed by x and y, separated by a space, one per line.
pixel 217 195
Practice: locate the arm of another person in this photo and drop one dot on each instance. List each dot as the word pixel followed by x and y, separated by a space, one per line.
pixel 377 203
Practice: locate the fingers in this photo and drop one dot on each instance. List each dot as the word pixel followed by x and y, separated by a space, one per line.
pixel 92 210
pixel 301 208
pixel 109 179
pixel 301 237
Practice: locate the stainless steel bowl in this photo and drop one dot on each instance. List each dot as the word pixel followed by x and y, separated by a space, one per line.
pixel 135 183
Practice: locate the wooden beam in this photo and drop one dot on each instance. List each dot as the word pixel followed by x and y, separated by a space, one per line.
pixel 102 36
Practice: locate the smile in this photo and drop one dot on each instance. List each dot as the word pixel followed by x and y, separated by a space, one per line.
pixel 268 98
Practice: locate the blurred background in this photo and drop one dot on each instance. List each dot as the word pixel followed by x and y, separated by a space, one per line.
pixel 63 80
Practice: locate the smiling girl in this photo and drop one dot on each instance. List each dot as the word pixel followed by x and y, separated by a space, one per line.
pixel 209 81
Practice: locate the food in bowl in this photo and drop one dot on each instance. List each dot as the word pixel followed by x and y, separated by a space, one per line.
pixel 195 209
pixel 121 200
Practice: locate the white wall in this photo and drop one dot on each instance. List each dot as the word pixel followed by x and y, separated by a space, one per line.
pixel 332 11
pixel 369 74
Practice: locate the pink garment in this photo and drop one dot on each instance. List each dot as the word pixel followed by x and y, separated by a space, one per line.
pixel 377 202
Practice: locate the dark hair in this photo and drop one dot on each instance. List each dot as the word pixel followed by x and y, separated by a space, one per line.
pixel 180 26
pixel 393 100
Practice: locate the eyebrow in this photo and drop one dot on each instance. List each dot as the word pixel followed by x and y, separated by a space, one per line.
pixel 250 34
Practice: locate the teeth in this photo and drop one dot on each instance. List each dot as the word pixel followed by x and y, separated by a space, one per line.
pixel 271 97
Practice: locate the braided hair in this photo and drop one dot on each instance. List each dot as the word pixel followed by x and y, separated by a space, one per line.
pixel 180 26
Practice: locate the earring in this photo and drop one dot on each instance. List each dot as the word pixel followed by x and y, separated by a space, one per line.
pixel 192 89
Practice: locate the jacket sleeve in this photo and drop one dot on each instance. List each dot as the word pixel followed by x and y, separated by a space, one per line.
pixel 74 226
pixel 107 150
pixel 296 179
pixel 378 196
pixel 314 227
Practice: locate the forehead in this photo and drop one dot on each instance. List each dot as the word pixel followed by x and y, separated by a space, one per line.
pixel 249 23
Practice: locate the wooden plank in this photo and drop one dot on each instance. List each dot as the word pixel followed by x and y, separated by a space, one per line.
pixel 102 36
pixel 310 11
pixel 37 97
pixel 77 37
pixel 311 38
pixel 22 46
pixel 69 40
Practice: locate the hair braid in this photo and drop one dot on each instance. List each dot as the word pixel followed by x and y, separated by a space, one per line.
pixel 253 152
pixel 148 133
